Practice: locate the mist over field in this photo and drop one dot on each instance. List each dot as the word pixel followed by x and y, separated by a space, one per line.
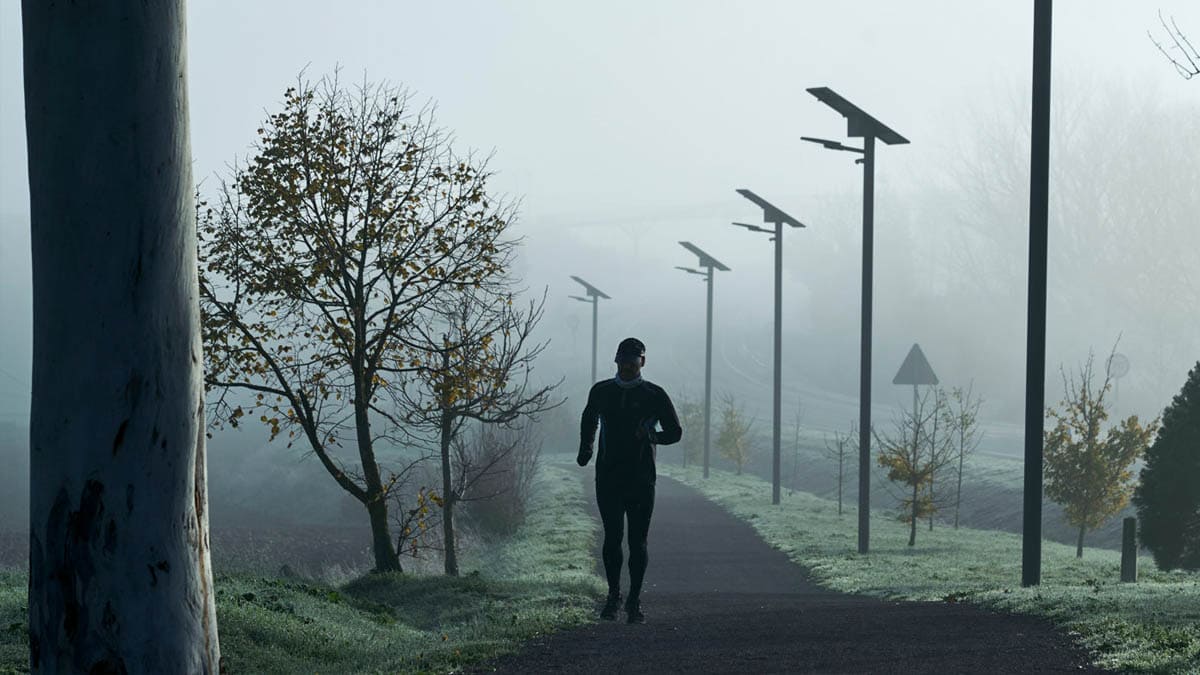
pixel 625 130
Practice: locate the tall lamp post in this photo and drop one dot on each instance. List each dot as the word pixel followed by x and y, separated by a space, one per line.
pixel 862 125
pixel 1035 338
pixel 709 263
pixel 772 214
pixel 593 296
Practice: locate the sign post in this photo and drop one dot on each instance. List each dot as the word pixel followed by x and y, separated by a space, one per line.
pixel 915 371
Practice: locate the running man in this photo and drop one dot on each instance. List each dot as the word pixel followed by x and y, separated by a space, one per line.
pixel 627 409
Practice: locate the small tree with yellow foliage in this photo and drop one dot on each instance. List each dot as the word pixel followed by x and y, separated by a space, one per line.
pixel 476 356
pixel 733 438
pixel 914 454
pixel 1088 469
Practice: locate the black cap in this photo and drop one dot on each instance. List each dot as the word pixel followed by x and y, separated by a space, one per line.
pixel 630 349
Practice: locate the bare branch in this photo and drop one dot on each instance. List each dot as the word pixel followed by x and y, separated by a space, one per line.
pixel 1188 64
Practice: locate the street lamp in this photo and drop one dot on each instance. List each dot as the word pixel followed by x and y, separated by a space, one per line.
pixel 709 263
pixel 1035 324
pixel 772 214
pixel 862 125
pixel 594 295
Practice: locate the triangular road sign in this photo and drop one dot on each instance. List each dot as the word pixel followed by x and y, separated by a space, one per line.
pixel 915 369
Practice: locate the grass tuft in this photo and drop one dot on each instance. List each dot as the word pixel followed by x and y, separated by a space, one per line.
pixel 537 581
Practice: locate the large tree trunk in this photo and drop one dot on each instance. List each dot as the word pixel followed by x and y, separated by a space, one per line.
pixel 387 559
pixel 1079 543
pixel 120 575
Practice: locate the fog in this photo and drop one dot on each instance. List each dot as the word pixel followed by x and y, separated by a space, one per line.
pixel 627 128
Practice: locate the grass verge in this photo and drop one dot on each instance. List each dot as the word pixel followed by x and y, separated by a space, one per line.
pixel 1151 626
pixel 539 580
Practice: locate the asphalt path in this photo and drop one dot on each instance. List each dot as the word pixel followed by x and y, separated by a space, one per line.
pixel 718 599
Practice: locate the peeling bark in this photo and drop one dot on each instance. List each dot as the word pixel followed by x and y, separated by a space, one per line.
pixel 120 574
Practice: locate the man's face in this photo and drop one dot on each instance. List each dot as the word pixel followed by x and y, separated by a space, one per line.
pixel 630 368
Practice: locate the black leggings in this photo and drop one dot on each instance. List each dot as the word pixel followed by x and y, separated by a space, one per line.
pixel 615 507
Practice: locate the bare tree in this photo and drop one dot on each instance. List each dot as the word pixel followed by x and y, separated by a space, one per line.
pixel 913 456
pixel 1102 273
pixel 1182 53
pixel 843 447
pixel 353 216
pixel 475 354
pixel 939 441
pixel 120 578
pixel 796 446
pixel 962 423
pixel 691 416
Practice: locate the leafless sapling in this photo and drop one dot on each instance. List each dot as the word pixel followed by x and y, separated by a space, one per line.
pixel 913 456
pixel 962 423
pixel 796 429
pixel 842 449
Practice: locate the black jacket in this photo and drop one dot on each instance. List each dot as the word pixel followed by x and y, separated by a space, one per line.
pixel 624 459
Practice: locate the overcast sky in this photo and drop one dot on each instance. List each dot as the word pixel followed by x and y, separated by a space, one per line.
pixel 625 126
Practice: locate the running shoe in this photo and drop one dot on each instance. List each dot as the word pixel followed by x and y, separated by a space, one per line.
pixel 609 613
pixel 633 612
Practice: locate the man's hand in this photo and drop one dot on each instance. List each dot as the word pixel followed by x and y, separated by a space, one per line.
pixel 585 455
pixel 645 430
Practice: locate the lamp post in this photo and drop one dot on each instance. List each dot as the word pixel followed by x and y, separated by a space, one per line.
pixel 709 263
pixel 862 125
pixel 1035 336
pixel 772 214
pixel 594 295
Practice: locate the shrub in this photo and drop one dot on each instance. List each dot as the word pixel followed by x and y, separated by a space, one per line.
pixel 1168 496
pixel 507 461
